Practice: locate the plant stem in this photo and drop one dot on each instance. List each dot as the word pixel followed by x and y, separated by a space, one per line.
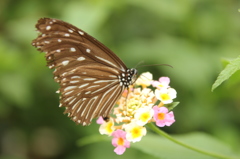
pixel 160 132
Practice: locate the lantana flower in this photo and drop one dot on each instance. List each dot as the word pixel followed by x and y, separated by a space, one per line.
pixel 135 132
pixel 166 95
pixel 162 83
pixel 143 115
pixel 100 120
pixel 163 117
pixel 107 127
pixel 138 106
pixel 120 142
pixel 145 79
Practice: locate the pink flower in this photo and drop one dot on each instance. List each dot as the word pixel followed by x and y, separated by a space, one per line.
pixel 100 120
pixel 162 116
pixel 163 82
pixel 119 141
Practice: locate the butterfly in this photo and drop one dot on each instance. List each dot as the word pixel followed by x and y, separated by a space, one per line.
pixel 91 76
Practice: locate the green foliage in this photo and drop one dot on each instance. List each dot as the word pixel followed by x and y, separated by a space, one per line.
pixel 163 148
pixel 172 105
pixel 160 147
pixel 225 74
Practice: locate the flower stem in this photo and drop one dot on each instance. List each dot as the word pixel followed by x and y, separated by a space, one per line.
pixel 160 132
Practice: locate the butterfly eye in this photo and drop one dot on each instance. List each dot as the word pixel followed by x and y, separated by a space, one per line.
pixel 91 76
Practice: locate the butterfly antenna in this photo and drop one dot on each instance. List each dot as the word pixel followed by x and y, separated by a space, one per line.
pixel 155 65
pixel 139 63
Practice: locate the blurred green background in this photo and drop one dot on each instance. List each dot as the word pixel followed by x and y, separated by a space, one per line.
pixel 194 36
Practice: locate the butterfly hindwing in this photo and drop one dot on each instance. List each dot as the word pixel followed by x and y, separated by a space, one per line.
pixel 91 76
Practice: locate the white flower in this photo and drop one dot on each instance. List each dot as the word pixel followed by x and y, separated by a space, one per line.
pixel 145 79
pixel 134 132
pixel 166 95
pixel 107 127
pixel 143 115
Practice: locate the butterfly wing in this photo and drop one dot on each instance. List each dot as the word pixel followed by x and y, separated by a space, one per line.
pixel 89 73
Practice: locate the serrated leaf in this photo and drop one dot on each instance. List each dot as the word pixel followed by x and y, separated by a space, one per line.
pixel 227 72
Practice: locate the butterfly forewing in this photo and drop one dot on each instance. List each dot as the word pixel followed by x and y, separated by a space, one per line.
pixel 91 76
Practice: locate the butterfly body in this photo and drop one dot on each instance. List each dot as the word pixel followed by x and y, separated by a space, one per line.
pixel 91 76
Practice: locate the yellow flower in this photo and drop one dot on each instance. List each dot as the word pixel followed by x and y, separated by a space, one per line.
pixel 134 132
pixel 143 115
pixel 107 127
pixel 166 96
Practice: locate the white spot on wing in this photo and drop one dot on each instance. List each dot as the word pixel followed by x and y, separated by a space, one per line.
pixel 112 76
pixel 93 86
pixel 59 40
pixel 68 99
pixel 101 81
pixel 106 61
pixel 58 50
pixel 74 81
pixel 81 58
pixel 88 50
pixel 81 33
pixel 69 92
pixel 89 79
pixel 83 85
pixel 72 49
pixel 51 66
pixel 67 35
pixel 69 87
pixel 65 62
pixel 75 77
pixel 70 31
pixel 65 73
pixel 48 27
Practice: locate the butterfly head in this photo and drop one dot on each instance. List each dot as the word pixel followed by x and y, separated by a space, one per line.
pixel 133 74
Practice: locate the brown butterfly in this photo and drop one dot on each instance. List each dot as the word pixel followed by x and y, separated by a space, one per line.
pixel 91 76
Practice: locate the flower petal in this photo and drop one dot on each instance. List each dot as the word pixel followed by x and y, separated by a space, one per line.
pixel 120 150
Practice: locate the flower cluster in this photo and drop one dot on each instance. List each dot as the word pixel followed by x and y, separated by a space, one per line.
pixel 137 107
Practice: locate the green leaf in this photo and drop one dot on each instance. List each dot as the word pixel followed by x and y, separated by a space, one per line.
pixel 163 148
pixel 171 105
pixel 226 73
